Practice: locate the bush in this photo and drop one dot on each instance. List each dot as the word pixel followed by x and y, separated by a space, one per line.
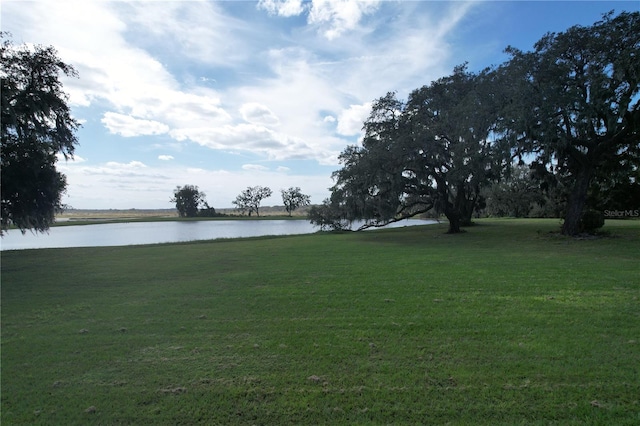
pixel 208 212
pixel 592 220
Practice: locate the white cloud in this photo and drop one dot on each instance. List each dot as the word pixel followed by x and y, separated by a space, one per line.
pixel 255 167
pixel 332 17
pixel 248 137
pixel 126 166
pixel 191 171
pixel 199 30
pixel 351 120
pixel 340 15
pixel 257 113
pixel 128 77
pixel 204 107
pixel 241 137
pixel 284 8
pixel 299 94
pixel 117 185
pixel 283 169
pixel 303 91
pixel 128 126
pixel 165 157
pixel 412 51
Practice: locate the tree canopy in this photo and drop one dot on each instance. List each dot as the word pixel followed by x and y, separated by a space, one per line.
pixel 293 198
pixel 188 200
pixel 432 152
pixel 571 107
pixel 249 200
pixel 575 104
pixel 36 126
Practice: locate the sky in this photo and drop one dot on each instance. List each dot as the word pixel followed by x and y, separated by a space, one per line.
pixel 230 94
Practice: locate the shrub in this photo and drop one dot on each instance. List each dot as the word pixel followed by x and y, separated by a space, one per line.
pixel 592 220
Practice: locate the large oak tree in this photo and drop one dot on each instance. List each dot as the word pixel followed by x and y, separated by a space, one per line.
pixel 188 200
pixel 576 104
pixel 433 152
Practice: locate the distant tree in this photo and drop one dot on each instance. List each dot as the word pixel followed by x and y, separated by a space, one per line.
pixel 188 199
pixel 293 199
pixel 576 102
pixel 249 200
pixel 515 195
pixel 36 126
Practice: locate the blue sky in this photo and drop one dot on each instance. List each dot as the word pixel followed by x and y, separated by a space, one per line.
pixel 230 94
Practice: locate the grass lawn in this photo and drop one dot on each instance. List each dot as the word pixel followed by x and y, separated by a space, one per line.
pixel 504 324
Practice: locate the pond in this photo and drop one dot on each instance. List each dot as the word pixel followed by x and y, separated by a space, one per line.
pixel 134 233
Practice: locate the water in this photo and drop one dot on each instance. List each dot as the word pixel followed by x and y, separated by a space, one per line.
pixel 123 234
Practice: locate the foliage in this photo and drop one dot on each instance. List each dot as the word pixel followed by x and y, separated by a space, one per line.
pixel 616 186
pixel 188 199
pixel 36 126
pixel 293 198
pixel 327 216
pixel 575 102
pixel 433 152
pixel 553 203
pixel 249 200
pixel 515 195
pixel 380 327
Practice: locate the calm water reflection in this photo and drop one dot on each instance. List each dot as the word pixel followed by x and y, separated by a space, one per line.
pixel 122 234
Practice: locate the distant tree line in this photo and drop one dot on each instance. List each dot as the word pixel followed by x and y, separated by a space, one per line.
pixel 191 202
pixel 557 128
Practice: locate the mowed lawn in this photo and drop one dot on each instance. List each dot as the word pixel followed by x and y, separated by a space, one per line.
pixel 508 323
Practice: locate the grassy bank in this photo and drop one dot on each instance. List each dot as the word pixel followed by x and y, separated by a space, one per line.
pixel 92 217
pixel 106 220
pixel 505 324
pixel 123 218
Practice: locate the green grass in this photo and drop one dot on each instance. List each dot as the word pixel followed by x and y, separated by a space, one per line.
pixel 505 324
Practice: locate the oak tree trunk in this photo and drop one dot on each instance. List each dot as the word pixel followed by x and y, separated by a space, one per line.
pixel 573 217
pixel 453 215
